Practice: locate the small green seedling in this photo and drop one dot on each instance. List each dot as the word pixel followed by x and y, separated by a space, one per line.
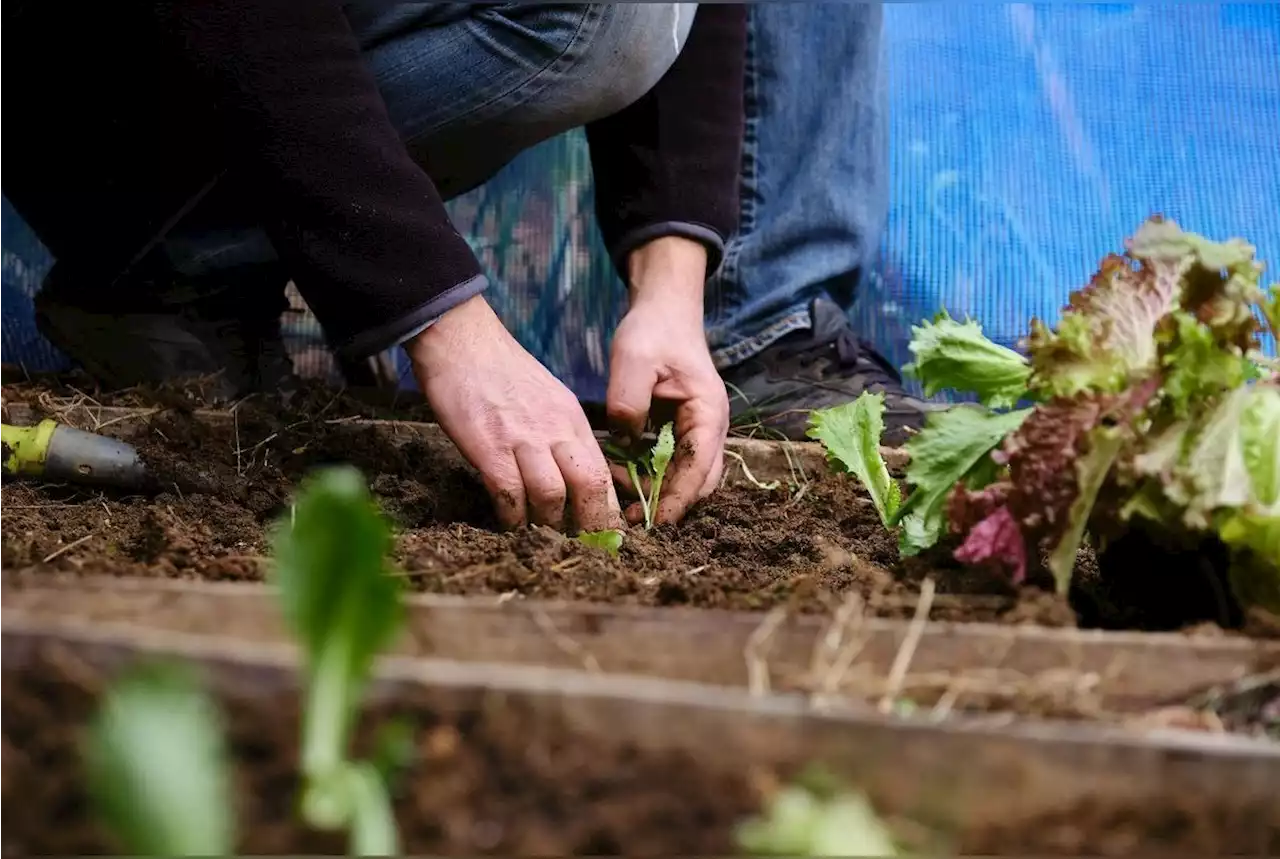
pixel 610 541
pixel 851 435
pixel 654 462
pixel 331 574
pixel 818 819
pixel 157 766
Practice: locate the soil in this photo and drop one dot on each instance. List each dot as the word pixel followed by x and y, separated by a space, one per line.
pixel 223 485
pixel 496 780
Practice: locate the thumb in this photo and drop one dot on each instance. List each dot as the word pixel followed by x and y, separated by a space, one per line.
pixel 629 395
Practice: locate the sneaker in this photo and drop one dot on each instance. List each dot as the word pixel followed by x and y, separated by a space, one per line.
pixel 228 330
pixel 824 366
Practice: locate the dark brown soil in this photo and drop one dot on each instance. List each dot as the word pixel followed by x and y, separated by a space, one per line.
pixel 223 485
pixel 496 780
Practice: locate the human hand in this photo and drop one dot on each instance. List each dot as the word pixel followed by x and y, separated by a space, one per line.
pixel 515 422
pixel 660 353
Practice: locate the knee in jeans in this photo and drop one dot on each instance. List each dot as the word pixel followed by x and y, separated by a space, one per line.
pixel 637 45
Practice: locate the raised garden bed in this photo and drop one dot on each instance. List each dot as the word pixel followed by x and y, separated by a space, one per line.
pixel 513 760
pixel 813 535
pixel 1138 680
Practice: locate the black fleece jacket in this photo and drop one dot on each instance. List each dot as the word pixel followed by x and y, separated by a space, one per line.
pixel 298 121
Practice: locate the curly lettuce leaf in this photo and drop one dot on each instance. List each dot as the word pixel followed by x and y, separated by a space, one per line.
pixel 851 433
pixel 958 356
pixel 1219 280
pixel 953 445
pixel 1197 368
pixel 1106 338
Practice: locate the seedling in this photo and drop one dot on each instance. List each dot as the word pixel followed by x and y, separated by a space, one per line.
pixel 851 434
pixel 156 760
pixel 343 608
pixel 157 766
pixel 816 817
pixel 654 464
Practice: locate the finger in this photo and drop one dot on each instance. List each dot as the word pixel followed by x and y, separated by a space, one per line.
pixel 501 477
pixel 635 514
pixel 628 396
pixel 586 473
pixel 699 449
pixel 626 486
pixel 544 486
pixel 713 479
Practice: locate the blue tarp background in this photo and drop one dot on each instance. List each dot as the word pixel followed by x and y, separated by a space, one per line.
pixel 1027 141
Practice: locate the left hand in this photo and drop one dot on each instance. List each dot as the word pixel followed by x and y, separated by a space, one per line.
pixel 660 353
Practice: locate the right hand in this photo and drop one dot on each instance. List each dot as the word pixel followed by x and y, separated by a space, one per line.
pixel 515 422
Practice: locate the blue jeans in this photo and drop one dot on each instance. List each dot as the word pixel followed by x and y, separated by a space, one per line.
pixel 470 87
pixel 815 173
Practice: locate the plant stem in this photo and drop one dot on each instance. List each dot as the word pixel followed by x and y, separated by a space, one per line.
pixel 373 825
pixel 324 736
pixel 634 474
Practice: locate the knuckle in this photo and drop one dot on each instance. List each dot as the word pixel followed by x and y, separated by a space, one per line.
pixel 548 493
pixel 623 411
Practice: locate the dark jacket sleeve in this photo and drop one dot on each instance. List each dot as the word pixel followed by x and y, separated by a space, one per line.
pixel 361 226
pixel 669 164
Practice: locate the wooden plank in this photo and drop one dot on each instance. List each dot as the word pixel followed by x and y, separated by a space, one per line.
pixel 1118 672
pixel 962 770
pixel 767 460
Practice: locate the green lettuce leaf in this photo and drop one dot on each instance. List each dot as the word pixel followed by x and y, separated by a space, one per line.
pixel 952 446
pixel 958 356
pixel 851 433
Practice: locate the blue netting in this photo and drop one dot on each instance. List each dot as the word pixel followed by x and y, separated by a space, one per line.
pixel 1027 141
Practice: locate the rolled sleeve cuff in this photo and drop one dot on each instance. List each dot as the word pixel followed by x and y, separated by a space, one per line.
pixel 404 328
pixel 706 236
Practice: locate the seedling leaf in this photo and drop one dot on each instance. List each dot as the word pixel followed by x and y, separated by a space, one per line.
pixel 797 822
pixel 851 432
pixel 610 541
pixel 157 767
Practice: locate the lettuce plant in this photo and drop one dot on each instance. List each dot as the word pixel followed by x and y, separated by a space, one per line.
pixel 1149 401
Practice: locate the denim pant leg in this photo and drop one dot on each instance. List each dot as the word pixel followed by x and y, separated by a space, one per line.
pixel 814 174
pixel 470 87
